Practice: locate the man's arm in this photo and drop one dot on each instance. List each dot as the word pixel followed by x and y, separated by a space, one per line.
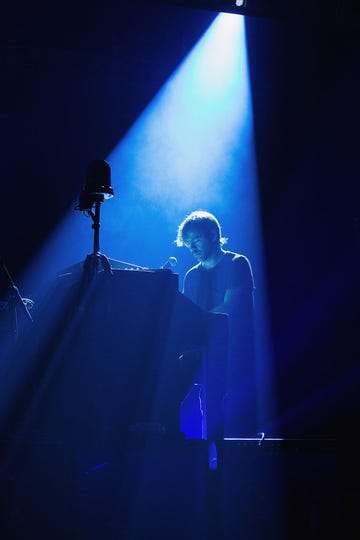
pixel 233 297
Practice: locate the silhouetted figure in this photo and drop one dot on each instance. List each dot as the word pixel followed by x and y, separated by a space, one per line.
pixel 222 282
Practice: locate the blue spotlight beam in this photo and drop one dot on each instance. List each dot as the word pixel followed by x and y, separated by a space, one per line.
pixel 196 129
pixel 194 147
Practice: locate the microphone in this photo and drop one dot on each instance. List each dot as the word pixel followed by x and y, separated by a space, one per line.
pixel 170 263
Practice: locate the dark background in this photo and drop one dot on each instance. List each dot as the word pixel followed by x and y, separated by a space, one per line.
pixel 58 113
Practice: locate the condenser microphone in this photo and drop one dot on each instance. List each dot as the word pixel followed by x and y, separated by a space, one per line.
pixel 170 263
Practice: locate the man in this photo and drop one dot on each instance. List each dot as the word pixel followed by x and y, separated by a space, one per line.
pixel 222 282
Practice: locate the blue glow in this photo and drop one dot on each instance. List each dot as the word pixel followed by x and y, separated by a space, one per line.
pixel 188 137
pixel 191 147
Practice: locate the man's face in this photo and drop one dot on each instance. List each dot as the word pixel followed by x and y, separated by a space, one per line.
pixel 200 245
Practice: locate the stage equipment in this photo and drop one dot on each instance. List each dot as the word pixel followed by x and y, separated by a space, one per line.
pixel 16 304
pixel 320 10
pixel 170 263
pixel 108 364
pixel 97 189
pixel 262 8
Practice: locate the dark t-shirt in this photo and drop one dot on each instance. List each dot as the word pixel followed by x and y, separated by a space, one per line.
pixel 207 287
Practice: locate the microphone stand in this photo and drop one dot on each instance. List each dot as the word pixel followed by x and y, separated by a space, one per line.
pixel 96 259
pixel 16 301
pixel 96 189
